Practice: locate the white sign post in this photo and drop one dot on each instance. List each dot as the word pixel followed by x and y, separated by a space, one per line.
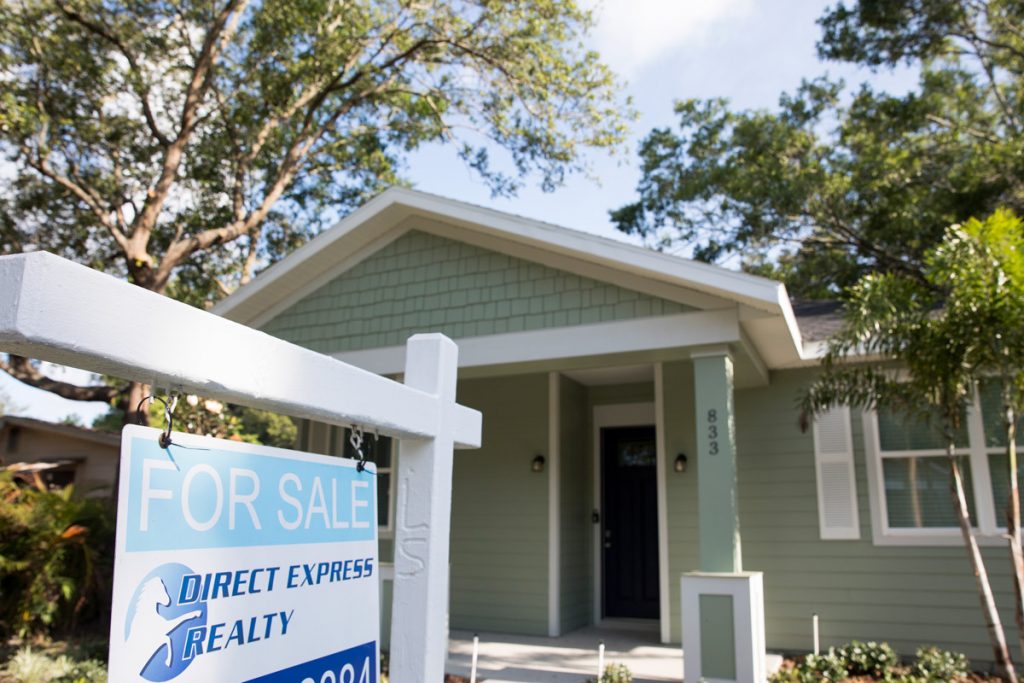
pixel 237 562
pixel 419 637
pixel 59 311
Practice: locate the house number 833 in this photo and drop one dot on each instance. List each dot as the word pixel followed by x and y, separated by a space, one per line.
pixel 712 432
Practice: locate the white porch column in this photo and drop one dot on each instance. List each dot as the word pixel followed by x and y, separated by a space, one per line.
pixel 722 606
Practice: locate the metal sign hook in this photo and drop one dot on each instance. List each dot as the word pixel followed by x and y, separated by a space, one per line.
pixel 165 436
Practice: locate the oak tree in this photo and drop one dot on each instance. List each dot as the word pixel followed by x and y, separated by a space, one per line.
pixel 834 183
pixel 183 144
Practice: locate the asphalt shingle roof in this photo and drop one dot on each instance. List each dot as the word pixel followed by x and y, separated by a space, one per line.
pixel 818 320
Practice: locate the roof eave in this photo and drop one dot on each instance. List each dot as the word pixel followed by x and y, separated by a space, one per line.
pixel 388 209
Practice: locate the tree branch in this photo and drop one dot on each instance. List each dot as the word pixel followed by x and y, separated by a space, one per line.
pixel 219 34
pixel 139 81
pixel 973 132
pixel 22 369
pixel 180 250
pixel 41 164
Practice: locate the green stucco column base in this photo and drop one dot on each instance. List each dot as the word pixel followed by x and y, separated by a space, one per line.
pixel 723 627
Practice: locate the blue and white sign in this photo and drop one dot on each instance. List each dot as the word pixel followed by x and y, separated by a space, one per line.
pixel 242 563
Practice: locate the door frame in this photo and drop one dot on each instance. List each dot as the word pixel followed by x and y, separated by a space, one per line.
pixel 629 415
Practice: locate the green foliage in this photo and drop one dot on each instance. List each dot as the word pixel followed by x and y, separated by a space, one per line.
pixel 615 673
pixel 946 329
pixel 29 666
pixel 834 184
pixel 875 661
pixel 213 418
pixel 269 429
pixel 868 659
pixel 55 558
pixel 934 665
pixel 982 263
pixel 812 669
pixel 181 145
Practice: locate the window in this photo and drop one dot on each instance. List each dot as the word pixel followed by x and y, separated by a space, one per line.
pixel 377 450
pixel 995 448
pixel 917 491
pixel 910 479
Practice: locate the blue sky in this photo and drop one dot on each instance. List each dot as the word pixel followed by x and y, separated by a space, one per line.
pixel 748 51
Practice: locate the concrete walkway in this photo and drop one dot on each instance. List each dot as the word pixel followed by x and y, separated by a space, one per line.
pixel 571 658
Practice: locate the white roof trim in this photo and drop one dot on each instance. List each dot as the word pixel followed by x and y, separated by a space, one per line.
pixel 390 208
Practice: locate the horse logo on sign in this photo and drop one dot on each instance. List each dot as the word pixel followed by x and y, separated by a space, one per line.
pixel 153 629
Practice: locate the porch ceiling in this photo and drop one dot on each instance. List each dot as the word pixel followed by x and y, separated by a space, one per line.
pixel 608 376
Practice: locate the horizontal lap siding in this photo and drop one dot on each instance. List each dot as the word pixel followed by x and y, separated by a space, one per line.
pixel 908 596
pixel 499 552
pixel 425 283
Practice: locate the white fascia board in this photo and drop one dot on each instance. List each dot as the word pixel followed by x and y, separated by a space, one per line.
pixel 394 205
pixel 622 336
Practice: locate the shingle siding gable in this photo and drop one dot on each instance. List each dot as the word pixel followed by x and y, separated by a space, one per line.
pixel 425 283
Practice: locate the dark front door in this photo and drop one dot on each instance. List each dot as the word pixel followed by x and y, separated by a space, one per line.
pixel 630 533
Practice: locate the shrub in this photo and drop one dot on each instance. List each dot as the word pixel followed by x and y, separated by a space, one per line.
pixel 615 673
pixel 939 666
pixel 876 661
pixel 28 666
pixel 813 669
pixel 55 558
pixel 868 659
pixel 854 659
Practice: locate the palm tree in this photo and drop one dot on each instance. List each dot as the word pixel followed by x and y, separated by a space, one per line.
pixel 923 367
pixel 983 263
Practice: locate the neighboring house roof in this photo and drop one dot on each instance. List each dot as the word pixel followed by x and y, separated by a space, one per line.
pixel 73 431
pixel 765 309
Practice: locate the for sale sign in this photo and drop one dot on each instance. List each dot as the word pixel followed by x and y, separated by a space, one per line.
pixel 243 563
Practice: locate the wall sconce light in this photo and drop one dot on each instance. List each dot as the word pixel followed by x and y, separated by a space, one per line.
pixel 538 464
pixel 680 464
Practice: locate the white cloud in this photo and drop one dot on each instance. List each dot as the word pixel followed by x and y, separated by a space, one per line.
pixel 631 34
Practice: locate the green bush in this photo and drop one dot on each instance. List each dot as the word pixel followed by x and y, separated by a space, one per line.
pixel 615 673
pixel 940 666
pixel 868 659
pixel 876 661
pixel 813 669
pixel 56 552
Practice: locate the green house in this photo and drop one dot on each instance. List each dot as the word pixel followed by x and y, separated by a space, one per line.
pixel 640 424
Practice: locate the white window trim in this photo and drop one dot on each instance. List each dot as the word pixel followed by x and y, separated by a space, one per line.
pixel 986 531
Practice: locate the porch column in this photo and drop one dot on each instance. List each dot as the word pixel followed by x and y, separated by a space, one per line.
pixel 719 527
pixel 722 606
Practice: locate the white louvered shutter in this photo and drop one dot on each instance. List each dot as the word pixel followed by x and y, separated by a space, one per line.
pixel 838 518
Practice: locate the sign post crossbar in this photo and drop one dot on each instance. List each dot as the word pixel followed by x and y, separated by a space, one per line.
pixel 55 310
